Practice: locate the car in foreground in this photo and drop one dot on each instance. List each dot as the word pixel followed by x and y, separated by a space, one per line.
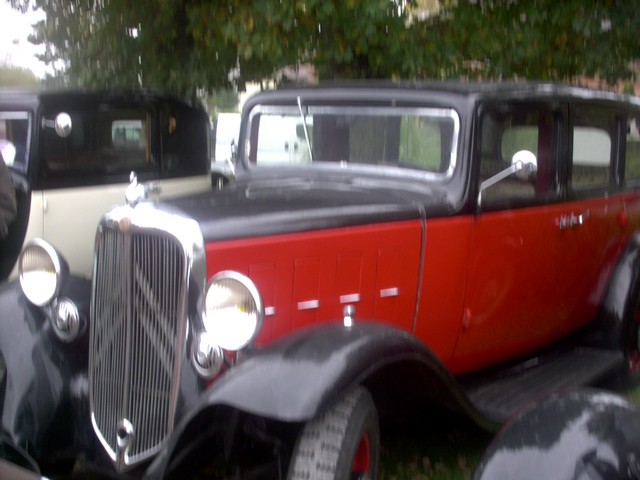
pixel 573 435
pixel 71 153
pixel 457 245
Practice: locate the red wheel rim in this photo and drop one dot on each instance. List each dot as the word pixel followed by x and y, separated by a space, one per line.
pixel 362 459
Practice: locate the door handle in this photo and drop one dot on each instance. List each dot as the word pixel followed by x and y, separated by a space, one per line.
pixel 572 220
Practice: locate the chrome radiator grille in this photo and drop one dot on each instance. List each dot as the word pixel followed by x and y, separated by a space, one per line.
pixel 138 328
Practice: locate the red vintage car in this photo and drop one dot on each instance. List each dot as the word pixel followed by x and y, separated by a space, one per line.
pixel 468 246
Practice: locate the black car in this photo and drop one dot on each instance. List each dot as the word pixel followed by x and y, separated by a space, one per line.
pixel 71 152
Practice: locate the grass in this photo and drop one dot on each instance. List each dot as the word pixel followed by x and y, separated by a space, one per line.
pixel 444 447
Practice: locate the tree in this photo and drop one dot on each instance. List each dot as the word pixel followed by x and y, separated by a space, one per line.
pixel 191 45
pixel 543 39
pixel 11 76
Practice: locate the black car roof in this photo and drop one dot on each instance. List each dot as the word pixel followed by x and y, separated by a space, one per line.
pixel 422 90
pixel 23 97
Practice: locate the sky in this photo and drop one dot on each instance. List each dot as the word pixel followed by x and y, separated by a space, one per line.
pixel 15 49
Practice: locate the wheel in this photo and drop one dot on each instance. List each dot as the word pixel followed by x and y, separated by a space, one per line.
pixel 632 340
pixel 341 444
pixel 628 376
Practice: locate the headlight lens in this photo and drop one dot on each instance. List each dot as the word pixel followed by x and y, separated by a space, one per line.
pixel 234 310
pixel 42 272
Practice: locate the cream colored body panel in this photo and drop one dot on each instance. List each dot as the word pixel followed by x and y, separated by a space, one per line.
pixel 67 218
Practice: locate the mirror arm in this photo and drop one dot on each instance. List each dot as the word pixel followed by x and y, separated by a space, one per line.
pixel 489 182
pixel 304 125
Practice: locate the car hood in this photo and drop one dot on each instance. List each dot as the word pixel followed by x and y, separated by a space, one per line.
pixel 267 204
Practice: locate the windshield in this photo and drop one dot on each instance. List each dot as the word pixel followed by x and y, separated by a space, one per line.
pixel 419 138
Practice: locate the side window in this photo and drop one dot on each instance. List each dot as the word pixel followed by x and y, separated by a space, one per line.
pixel 104 142
pixel 632 156
pixel 185 140
pixel 15 133
pixel 592 149
pixel 507 135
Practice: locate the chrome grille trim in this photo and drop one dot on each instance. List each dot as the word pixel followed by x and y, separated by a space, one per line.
pixel 139 311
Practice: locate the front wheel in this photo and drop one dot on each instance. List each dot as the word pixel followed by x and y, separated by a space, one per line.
pixel 341 444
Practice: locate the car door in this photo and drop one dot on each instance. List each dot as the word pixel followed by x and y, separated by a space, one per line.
pixel 594 221
pixel 516 283
pixel 540 256
pixel 85 171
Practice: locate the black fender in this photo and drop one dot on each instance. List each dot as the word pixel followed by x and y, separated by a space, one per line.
pixel 571 435
pixel 15 463
pixel 298 377
pixel 610 328
pixel 42 379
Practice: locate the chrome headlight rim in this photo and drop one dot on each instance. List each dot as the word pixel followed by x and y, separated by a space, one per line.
pixel 252 291
pixel 32 286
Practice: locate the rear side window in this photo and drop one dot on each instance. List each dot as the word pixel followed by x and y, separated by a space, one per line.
pixel 592 134
pixel 632 156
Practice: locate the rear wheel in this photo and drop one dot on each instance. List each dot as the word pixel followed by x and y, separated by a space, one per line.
pixel 632 342
pixel 341 444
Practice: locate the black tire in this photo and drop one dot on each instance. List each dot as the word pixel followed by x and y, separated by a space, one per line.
pixel 629 377
pixel 341 444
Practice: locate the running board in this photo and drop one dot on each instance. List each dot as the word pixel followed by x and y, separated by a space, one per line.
pixel 500 397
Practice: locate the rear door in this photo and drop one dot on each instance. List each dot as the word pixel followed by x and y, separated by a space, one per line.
pixel 592 222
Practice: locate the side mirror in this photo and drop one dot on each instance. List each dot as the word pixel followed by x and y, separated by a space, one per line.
pixel 63 125
pixel 523 164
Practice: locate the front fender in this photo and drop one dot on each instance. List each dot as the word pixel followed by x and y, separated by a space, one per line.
pixel 296 378
pixel 40 372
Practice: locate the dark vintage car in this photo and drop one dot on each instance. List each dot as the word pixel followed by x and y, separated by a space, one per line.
pixel 467 246
pixel 70 154
pixel 575 435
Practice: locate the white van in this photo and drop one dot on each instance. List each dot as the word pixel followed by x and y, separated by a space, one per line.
pixel 282 140
pixel 225 133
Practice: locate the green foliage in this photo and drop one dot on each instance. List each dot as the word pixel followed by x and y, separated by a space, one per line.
pixel 192 45
pixel 223 100
pixel 17 77
pixel 544 39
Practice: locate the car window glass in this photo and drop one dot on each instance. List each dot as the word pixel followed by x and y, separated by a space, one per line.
pixel 101 142
pixel 185 141
pixel 416 138
pixel 505 132
pixel 15 132
pixel 632 156
pixel 592 149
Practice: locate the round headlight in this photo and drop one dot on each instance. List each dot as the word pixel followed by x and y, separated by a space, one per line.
pixel 234 310
pixel 42 272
